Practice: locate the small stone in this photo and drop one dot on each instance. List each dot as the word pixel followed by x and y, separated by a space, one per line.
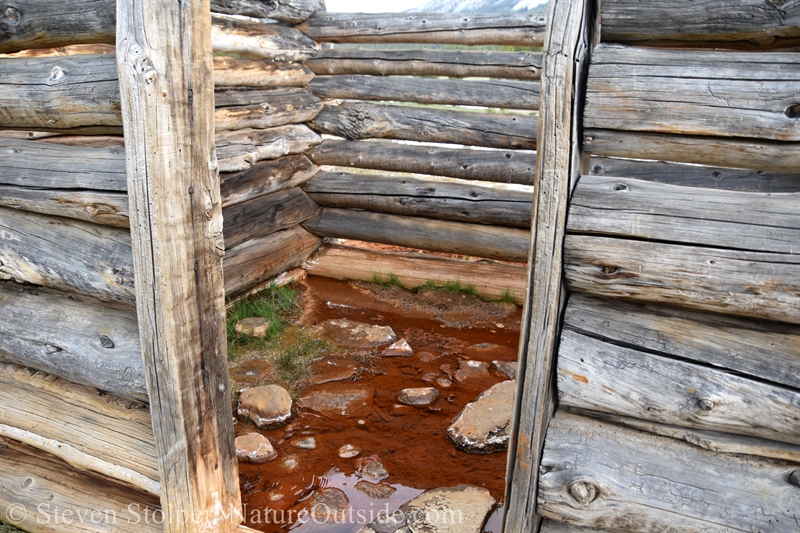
pixel 448 368
pixel 430 377
pixel 275 496
pixel 359 334
pixel 371 466
pixel 472 370
pixel 267 407
pixel 444 383
pixel 398 349
pixel 305 443
pixel 483 425
pixel 501 326
pixel 379 491
pixel 348 451
pixel 509 368
pixel 255 327
pixel 418 396
pixel 427 357
pixel 336 400
pixel 329 505
pixel 289 462
pixel 254 448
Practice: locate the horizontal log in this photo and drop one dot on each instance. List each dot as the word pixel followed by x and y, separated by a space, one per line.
pixel 101 433
pixel 754 284
pixel 265 214
pixel 240 150
pixel 66 254
pixel 257 260
pixel 48 495
pixel 357 121
pixel 551 526
pixel 492 281
pixel 265 177
pixel 506 166
pixel 440 28
pixel 490 93
pixel 765 156
pixel 47 165
pixel 756 221
pixel 291 11
pixel 492 242
pixel 75 338
pixel 266 108
pixel 599 376
pixel 450 63
pixel 69 50
pixel 730 179
pixel 728 94
pixel 237 72
pixel 763 350
pixel 442 198
pixel 600 475
pixel 704 21
pixel 105 208
pixel 108 142
pixel 257 39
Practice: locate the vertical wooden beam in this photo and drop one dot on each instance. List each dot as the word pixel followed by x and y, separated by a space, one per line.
pixel 570 28
pixel 166 81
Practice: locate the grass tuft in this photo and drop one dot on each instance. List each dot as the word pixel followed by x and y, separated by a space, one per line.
pixel 387 280
pixel 275 304
pixel 295 355
pixel 508 298
pixel 6 528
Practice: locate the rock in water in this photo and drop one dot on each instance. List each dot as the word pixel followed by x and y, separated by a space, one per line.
pixel 509 368
pixel 329 505
pixel 482 426
pixel 371 466
pixel 379 491
pixel 398 349
pixel 304 443
pixel 254 448
pixel 359 334
pixel 348 451
pixel 472 370
pixel 338 400
pixel 418 396
pixel 267 407
pixel 461 509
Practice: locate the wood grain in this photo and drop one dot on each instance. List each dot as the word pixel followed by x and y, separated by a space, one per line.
pixel 100 207
pixel 265 177
pixel 258 39
pixel 291 11
pixel 266 108
pixel 239 72
pixel 241 149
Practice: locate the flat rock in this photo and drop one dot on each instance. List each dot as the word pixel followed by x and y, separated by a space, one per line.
pixel 359 334
pixel 509 368
pixel 418 395
pixel 349 451
pixel 471 370
pixel 379 491
pixel 269 406
pixel 460 509
pixel 398 349
pixel 328 505
pixel 483 425
pixel 487 351
pixel 337 400
pixel 371 467
pixel 304 443
pixel 254 448
pixel 333 369
pixel 444 383
pixel 427 357
pixel 254 326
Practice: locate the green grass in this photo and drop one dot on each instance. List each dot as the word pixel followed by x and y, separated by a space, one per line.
pixel 456 287
pixel 275 304
pixel 295 355
pixel 508 298
pixel 387 280
pixel 5 528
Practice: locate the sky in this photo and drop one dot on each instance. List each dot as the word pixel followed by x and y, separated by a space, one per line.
pixel 371 6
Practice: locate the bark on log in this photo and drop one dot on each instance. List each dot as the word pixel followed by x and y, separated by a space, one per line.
pixel 450 63
pixel 291 11
pixel 265 177
pixel 492 242
pixel 102 433
pixel 104 208
pixel 492 281
pixel 75 338
pixel 233 72
pixel 240 150
pixel 441 28
pixel 362 121
pixel 506 166
pixel 267 108
pixel 601 475
pixel 257 39
pixel 726 94
pixel 508 94
pixel 442 198
pixel 763 222
pixel 755 284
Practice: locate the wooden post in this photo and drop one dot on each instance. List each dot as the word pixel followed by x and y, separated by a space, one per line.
pixel 559 161
pixel 167 89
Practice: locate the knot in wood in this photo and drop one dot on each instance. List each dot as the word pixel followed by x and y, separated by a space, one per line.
pixel 583 492
pixel 55 74
pixel 106 342
pixel 705 405
pixel 793 111
pixel 794 478
pixel 609 269
pixel 13 16
pixel 620 187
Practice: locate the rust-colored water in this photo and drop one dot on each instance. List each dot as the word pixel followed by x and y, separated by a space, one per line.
pixel 411 442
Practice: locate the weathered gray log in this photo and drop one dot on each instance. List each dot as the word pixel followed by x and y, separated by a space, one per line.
pixel 490 93
pixel 48 492
pixel 76 338
pixel 100 432
pixel 255 261
pixel 492 281
pixel 291 11
pixel 442 28
pixel 704 21
pixel 727 94
pixel 596 375
pixel 266 214
pixel 492 242
pixel 266 108
pixel 551 526
pixel 450 63
pixel 357 121
pixel 443 198
pixel 601 475
pixel 108 142
pixel 265 177
pixel 696 175
pixel 46 165
pixel 507 166
pixel 100 207
pixel 234 72
pixel 66 254
pixel 569 41
pixel 755 284
pixel 756 221
pixel 759 155
pixel 240 150
pixel 257 39
pixel 763 350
